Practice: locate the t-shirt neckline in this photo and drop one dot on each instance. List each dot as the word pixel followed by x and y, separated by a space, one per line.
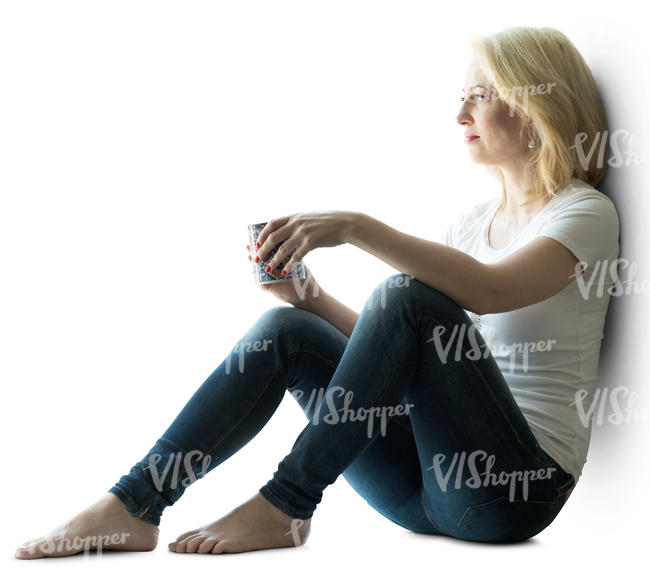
pixel 493 212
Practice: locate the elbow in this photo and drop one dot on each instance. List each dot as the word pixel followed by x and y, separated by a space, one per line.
pixel 480 306
pixel 486 300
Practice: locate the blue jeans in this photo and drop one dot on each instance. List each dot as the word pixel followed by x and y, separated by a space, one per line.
pixel 430 437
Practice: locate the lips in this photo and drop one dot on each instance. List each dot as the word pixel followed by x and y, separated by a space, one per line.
pixel 470 138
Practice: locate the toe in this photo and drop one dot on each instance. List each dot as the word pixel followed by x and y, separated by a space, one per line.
pixel 25 552
pixel 223 546
pixel 30 549
pixel 194 543
pixel 182 545
pixel 206 546
pixel 178 545
pixel 186 535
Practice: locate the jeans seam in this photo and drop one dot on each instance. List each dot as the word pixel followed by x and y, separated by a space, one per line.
pixel 505 416
pixel 314 354
pixel 215 442
pixel 426 512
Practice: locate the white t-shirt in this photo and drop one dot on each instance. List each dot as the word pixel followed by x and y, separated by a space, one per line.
pixel 548 352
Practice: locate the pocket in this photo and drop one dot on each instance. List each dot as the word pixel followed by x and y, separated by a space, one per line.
pixel 505 520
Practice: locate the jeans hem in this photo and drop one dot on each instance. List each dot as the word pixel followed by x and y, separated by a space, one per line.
pixel 282 505
pixel 133 508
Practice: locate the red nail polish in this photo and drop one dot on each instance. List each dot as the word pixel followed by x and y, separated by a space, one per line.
pixel 257 259
pixel 257 244
pixel 268 268
pixel 284 272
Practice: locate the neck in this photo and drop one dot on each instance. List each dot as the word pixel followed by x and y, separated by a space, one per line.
pixel 519 200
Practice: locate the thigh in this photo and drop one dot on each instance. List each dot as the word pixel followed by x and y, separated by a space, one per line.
pixel 387 475
pixel 484 475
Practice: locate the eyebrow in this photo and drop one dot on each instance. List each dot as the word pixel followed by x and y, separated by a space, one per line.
pixel 476 86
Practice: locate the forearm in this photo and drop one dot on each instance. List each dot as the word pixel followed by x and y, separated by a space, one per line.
pixel 451 271
pixel 333 311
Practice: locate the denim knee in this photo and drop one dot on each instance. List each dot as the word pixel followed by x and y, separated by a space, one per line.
pixel 400 290
pixel 282 320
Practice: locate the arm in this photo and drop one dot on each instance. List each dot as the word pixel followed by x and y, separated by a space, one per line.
pixel 333 311
pixel 529 275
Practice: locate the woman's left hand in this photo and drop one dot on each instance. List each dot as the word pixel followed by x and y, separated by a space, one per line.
pixel 303 232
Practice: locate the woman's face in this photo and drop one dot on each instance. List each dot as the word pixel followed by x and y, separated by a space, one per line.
pixel 498 140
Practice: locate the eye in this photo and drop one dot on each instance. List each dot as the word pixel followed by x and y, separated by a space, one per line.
pixel 474 98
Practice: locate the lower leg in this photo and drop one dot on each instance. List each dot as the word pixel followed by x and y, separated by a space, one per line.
pixel 310 357
pixel 245 390
pixel 365 391
pixel 231 406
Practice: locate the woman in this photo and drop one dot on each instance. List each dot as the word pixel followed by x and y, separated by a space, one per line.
pixel 439 431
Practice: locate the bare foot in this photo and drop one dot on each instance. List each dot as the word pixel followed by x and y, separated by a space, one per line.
pixel 104 525
pixel 254 525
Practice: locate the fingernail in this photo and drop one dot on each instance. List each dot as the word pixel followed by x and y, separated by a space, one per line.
pixel 268 268
pixel 284 272
pixel 257 259
pixel 257 244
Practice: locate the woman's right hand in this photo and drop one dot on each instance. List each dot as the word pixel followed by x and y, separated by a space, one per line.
pixel 286 290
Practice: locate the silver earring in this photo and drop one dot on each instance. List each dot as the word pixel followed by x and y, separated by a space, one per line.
pixel 531 141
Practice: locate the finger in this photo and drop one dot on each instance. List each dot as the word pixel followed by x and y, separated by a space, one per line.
pixel 248 246
pixel 295 259
pixel 269 228
pixel 284 252
pixel 249 258
pixel 289 266
pixel 274 238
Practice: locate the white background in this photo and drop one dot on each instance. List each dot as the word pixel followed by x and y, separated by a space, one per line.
pixel 137 141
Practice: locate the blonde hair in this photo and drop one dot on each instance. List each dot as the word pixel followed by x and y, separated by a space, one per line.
pixel 519 60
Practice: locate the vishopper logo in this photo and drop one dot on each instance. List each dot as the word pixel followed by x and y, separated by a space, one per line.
pixel 301 288
pixel 295 532
pixel 173 465
pixel 621 404
pixel 526 91
pixel 246 347
pixel 475 352
pixel 345 413
pixel 620 157
pixel 604 267
pixel 523 92
pixel 54 544
pixel 400 280
pixel 474 481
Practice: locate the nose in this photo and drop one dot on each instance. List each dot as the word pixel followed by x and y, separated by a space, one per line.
pixel 464 118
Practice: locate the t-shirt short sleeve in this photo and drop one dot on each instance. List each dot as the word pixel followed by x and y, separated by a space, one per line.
pixel 588 226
